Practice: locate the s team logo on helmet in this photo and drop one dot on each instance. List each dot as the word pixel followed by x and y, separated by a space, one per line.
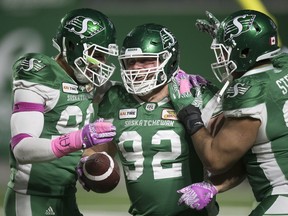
pixel 168 40
pixel 238 26
pixel 84 27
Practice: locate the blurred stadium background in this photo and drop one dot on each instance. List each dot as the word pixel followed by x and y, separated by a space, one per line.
pixel 29 25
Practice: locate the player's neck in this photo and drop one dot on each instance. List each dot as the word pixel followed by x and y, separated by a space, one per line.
pixel 156 95
pixel 65 66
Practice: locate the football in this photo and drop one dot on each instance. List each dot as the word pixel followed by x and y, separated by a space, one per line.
pixel 101 172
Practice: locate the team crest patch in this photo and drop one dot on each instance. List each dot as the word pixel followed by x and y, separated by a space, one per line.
pixel 237 89
pixel 150 106
pixel 33 65
pixel 169 114
pixel 70 88
pixel 127 113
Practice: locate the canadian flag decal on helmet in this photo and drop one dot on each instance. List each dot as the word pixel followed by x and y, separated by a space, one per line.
pixel 84 27
pixel 273 40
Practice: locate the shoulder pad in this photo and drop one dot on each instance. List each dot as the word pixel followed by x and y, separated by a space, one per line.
pixel 39 68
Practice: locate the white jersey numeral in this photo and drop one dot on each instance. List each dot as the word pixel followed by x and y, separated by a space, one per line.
pixel 68 113
pixel 133 140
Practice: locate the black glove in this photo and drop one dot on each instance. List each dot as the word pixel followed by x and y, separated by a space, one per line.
pixel 190 116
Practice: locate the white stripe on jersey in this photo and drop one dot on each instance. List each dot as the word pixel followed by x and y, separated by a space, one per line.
pixel 279 207
pixel 23 204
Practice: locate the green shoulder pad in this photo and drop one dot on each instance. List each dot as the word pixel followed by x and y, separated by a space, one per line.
pixel 39 68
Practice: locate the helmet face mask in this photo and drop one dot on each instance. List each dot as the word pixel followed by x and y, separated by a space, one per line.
pixel 224 67
pixel 243 39
pixel 142 81
pixel 92 64
pixel 148 42
pixel 83 35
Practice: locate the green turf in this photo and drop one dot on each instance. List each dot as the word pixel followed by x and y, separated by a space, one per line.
pixel 117 200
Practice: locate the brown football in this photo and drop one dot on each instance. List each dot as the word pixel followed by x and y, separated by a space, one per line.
pixel 101 172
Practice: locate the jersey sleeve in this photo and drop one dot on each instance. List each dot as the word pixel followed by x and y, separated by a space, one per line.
pixel 40 74
pixel 39 69
pixel 211 106
pixel 246 98
pixel 280 61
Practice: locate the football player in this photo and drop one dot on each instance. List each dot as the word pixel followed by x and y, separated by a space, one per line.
pixel 255 109
pixel 52 101
pixel 156 154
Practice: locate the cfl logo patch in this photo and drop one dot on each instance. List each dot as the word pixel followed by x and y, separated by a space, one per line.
pixel 150 106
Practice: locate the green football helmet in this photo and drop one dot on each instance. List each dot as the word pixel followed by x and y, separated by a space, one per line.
pixel 86 38
pixel 243 39
pixel 149 41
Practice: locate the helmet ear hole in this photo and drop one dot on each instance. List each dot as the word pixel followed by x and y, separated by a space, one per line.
pixel 257 27
pixel 70 46
pixel 244 53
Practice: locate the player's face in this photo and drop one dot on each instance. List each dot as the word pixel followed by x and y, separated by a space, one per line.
pixel 142 64
pixel 92 66
pixel 93 61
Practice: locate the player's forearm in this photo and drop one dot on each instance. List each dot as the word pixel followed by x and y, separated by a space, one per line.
pixel 202 141
pixel 215 159
pixel 190 116
pixel 229 179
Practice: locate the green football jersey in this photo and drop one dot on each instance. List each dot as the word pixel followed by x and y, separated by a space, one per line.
pixel 157 156
pixel 67 108
pixel 263 94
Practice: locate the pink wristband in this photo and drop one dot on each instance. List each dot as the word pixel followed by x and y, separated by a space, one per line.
pixel 67 143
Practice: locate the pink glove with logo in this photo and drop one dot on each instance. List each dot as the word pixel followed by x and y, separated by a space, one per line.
pixel 198 195
pixel 92 134
pixel 193 80
pixel 98 132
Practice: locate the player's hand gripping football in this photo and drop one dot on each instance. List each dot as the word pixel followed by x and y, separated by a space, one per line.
pixel 209 26
pixel 79 171
pixel 98 132
pixel 198 195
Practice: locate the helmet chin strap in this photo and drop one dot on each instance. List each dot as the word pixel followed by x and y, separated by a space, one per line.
pixel 221 92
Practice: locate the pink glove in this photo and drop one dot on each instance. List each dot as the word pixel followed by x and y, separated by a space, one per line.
pixel 192 81
pixel 97 133
pixel 198 195
pixel 79 171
